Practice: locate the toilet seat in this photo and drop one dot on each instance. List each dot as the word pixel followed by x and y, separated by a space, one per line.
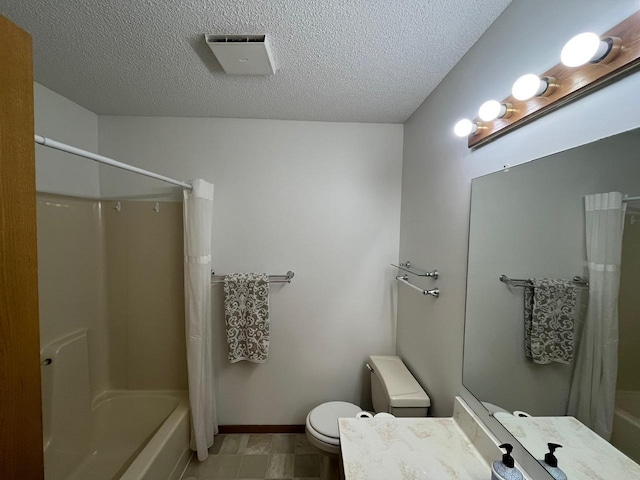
pixel 322 424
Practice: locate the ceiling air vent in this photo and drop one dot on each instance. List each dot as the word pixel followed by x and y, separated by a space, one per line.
pixel 242 54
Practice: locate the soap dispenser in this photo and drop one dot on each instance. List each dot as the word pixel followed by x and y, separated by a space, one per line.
pixel 505 469
pixel 550 463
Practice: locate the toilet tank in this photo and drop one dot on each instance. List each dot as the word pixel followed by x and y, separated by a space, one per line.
pixel 395 390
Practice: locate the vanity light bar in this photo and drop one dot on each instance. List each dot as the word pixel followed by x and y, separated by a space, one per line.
pixel 588 61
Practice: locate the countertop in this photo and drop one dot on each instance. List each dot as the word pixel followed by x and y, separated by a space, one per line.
pixel 408 449
pixel 584 454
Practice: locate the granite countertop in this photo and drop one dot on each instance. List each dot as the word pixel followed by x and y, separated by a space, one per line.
pixel 584 455
pixel 408 449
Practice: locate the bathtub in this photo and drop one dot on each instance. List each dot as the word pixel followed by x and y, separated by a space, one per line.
pixel 135 435
pixel 120 434
pixel 626 424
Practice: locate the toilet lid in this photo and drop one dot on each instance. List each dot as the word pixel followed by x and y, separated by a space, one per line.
pixel 324 418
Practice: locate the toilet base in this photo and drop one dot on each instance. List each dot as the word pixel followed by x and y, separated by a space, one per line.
pixel 331 464
pixel 332 451
pixel 329 446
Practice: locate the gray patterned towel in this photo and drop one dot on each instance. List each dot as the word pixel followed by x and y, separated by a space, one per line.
pixel 246 311
pixel 549 314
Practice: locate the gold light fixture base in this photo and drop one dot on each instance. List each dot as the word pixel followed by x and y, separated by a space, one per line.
pixel 566 84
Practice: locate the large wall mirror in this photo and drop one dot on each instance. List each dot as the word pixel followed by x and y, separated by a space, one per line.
pixel 558 335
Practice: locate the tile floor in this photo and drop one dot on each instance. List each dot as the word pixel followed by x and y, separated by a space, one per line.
pixel 262 456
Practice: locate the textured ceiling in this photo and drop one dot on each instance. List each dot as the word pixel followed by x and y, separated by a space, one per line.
pixel 337 60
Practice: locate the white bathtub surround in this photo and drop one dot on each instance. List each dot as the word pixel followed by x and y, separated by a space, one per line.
pixel 67 416
pixel 128 434
pixel 166 454
pixel 593 388
pixel 122 443
pixel 584 454
pixel 425 448
pixel 198 217
pixel 626 424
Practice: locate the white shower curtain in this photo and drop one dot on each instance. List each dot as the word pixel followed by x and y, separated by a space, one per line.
pixel 198 208
pixel 593 387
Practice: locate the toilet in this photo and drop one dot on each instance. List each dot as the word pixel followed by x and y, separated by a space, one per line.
pixel 393 390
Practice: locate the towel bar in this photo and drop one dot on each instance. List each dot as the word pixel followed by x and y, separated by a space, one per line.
pixel 434 292
pixel 407 267
pixel 272 278
pixel 521 282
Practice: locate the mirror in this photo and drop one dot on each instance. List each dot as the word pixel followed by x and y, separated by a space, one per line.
pixel 546 349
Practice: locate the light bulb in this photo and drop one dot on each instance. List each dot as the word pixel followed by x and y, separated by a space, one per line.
pixel 584 48
pixel 465 127
pixel 492 109
pixel 528 86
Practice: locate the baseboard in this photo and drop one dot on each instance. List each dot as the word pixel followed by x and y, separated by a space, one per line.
pixel 261 428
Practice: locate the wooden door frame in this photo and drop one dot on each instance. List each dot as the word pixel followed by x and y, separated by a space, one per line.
pixel 21 455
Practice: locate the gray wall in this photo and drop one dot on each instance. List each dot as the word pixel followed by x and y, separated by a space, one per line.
pixel 438 167
pixel 321 199
pixel 61 119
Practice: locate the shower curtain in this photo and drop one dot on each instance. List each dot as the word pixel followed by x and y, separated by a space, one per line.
pixel 198 208
pixel 592 394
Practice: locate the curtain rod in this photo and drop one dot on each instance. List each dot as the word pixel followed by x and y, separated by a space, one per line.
pixel 628 198
pixel 63 147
